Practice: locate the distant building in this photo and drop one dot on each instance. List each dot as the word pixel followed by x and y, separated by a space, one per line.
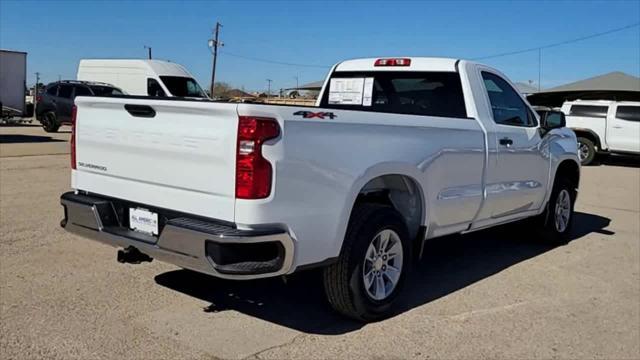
pixel 310 90
pixel 526 89
pixel 237 93
pixel 612 86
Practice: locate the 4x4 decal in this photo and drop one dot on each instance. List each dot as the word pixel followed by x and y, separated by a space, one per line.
pixel 319 115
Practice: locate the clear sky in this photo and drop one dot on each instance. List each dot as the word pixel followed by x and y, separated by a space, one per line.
pixel 58 34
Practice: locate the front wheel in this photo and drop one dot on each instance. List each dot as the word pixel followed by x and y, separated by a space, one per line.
pixel 558 218
pixel 373 265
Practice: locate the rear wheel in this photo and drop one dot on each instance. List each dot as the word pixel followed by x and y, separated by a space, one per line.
pixel 373 265
pixel 50 122
pixel 586 150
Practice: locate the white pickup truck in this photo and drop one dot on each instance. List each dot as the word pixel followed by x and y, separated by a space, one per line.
pixel 396 152
pixel 604 126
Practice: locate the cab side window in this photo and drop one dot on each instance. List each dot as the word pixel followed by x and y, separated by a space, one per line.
pixel 506 105
pixel 629 113
pixel 154 88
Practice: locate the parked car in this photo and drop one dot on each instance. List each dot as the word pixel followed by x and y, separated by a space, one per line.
pixel 604 127
pixel 142 77
pixel 397 152
pixel 55 102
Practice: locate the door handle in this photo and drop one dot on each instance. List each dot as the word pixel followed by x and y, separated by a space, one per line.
pixel 140 110
pixel 506 142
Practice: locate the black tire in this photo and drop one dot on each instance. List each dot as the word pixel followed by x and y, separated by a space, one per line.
pixel 547 221
pixel 589 147
pixel 50 122
pixel 344 280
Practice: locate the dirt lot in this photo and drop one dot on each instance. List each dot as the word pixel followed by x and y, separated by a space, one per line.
pixel 492 294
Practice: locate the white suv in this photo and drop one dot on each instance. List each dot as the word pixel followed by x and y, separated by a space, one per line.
pixel 604 127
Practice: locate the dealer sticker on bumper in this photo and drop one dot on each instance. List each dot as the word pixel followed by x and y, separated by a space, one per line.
pixel 143 220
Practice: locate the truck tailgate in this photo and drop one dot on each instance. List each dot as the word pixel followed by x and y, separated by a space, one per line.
pixel 172 154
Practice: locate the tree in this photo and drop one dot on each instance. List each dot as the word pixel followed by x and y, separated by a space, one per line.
pixel 221 89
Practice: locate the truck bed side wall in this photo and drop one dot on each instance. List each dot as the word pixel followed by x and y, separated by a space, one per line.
pixel 322 164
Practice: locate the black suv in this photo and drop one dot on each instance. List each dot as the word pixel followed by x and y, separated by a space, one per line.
pixel 55 102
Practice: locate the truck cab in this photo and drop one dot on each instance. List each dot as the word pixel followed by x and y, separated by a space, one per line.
pixel 604 126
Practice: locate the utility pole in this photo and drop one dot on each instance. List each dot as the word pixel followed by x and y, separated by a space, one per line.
pixel 148 50
pixel 297 85
pixel 214 44
pixel 539 67
pixel 35 94
pixel 269 88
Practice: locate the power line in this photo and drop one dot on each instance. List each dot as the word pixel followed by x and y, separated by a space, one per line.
pixel 536 48
pixel 273 61
pixel 559 43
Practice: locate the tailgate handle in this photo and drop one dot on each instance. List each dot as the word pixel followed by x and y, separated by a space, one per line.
pixel 140 110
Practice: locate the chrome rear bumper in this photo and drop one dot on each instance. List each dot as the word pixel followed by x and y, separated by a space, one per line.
pixel 198 244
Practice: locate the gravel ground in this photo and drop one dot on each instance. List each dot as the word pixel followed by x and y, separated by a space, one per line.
pixel 491 294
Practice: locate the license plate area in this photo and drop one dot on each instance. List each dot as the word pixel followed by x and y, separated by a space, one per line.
pixel 144 221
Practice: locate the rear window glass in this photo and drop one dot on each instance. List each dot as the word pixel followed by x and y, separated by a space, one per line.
pixel 631 113
pixel 65 91
pixel 52 90
pixel 182 86
pixel 589 110
pixel 105 91
pixel 415 93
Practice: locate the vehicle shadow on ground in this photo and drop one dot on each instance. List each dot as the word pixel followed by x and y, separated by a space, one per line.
pixel 450 264
pixel 619 160
pixel 16 139
pixel 21 124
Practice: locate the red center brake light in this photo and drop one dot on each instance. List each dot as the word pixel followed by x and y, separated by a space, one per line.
pixel 393 62
pixel 253 171
pixel 74 112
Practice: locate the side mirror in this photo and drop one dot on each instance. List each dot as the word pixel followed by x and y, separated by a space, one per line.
pixel 553 120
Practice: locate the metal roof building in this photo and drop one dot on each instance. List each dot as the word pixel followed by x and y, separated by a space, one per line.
pixel 526 89
pixel 612 86
pixel 316 85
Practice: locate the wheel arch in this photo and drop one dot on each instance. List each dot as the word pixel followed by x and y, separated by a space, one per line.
pixel 589 134
pixel 396 185
pixel 570 170
pixel 399 191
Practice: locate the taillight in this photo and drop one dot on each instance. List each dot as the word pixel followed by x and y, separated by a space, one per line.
pixel 74 112
pixel 253 171
pixel 38 98
pixel 393 62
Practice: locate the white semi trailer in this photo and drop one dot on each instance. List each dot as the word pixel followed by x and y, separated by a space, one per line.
pixel 13 77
